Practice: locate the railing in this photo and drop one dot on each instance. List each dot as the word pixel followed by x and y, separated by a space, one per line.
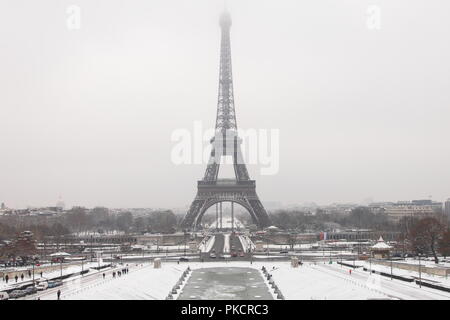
pixel 226 182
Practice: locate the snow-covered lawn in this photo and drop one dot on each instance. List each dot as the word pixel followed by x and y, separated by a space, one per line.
pixel 144 283
pixel 405 273
pixel 309 281
pixel 317 283
pixel 429 262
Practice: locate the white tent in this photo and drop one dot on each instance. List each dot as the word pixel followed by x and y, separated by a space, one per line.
pixel 60 254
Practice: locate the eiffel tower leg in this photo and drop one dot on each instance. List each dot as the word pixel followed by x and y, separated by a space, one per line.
pixel 232 216
pixel 260 213
pixel 189 221
pixel 217 216
pixel 240 169
pixel 221 227
pixel 212 169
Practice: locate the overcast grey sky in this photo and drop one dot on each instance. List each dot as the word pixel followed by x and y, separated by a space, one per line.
pixel 88 114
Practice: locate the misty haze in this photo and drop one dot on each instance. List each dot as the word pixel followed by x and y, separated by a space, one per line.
pixel 224 150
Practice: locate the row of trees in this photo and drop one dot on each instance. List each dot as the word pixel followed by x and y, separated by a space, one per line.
pixel 100 219
pixel 361 217
pixel 79 219
pixel 8 232
pixel 428 236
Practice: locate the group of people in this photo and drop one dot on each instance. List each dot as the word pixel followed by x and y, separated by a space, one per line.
pixel 16 277
pixel 118 273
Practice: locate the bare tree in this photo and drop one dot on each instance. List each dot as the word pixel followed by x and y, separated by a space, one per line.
pixel 425 236
pixel 444 244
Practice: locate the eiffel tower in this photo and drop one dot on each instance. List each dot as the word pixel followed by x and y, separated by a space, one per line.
pixel 211 190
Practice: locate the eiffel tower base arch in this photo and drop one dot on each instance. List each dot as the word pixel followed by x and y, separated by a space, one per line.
pixel 211 192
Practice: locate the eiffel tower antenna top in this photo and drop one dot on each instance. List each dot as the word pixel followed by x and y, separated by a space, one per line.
pixel 225 19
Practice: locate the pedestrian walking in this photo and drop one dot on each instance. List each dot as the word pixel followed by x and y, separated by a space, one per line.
pixel 350 271
pixel 59 294
pixel 21 277
pixel 16 277
pixel 103 275
pixel 41 274
pixel 6 278
pixel 29 274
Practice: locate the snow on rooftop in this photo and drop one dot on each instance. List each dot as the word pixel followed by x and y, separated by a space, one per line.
pixel 381 244
pixel 60 254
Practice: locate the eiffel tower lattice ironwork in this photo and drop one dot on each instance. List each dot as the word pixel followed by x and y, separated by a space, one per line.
pixel 211 190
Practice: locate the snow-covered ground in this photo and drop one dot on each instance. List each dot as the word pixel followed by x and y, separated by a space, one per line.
pixel 318 282
pixel 445 281
pixel 226 224
pixel 149 255
pixel 143 283
pixel 324 254
pixel 395 288
pixel 206 246
pixel 309 281
pixel 296 246
pixel 429 262
pixel 226 244
pixel 67 269
pixel 246 243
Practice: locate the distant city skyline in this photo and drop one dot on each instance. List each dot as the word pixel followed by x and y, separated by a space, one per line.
pixel 269 204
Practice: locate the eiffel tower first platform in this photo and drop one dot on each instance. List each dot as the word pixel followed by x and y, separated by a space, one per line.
pixel 211 190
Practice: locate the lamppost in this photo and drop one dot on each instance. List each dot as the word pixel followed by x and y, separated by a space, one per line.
pixel 185 234
pixel 420 273
pixel 390 258
pixel 92 244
